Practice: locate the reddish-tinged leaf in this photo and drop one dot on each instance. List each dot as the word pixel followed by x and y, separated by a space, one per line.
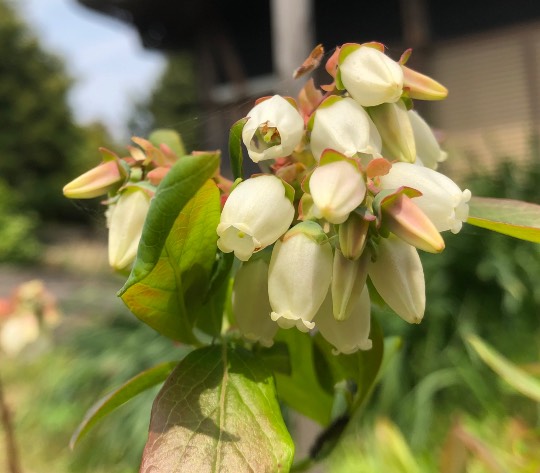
pixel 218 412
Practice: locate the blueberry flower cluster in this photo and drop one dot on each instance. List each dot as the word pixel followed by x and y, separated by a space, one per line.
pixel 127 184
pixel 351 193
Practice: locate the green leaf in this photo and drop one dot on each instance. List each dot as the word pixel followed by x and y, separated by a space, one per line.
pixel 169 137
pixel 236 154
pixel 109 403
pixel 218 412
pixel 170 296
pixel 512 374
pixel 301 389
pixel 180 184
pixel 509 217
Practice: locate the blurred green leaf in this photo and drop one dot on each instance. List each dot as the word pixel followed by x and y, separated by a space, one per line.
pixel 235 148
pixel 512 374
pixel 509 217
pixel 301 389
pixel 218 412
pixel 109 403
pixel 169 137
pixel 168 298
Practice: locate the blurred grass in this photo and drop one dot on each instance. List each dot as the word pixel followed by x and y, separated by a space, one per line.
pixel 97 346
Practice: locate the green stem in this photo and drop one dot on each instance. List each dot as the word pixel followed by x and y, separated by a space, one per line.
pixel 302 465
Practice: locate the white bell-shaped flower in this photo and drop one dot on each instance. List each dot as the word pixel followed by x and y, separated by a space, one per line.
pixel 299 276
pixel 428 149
pixel 369 75
pixel 445 204
pixel 350 335
pixel 344 126
pixel 256 213
pixel 398 276
pixel 250 302
pixel 126 220
pixel 273 130
pixel 337 188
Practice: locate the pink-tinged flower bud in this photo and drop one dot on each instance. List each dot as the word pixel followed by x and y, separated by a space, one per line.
pixel 428 150
pixel 445 204
pixel 353 236
pixel 369 75
pixel 404 218
pixel 337 188
pixel 299 275
pixel 392 121
pixel 398 276
pixel 350 335
pixel 273 130
pixel 348 280
pixel 95 182
pixel 126 220
pixel 257 212
pixel 250 302
pixel 422 87
pixel 344 126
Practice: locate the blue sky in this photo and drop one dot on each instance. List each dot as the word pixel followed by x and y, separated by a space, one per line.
pixel 104 56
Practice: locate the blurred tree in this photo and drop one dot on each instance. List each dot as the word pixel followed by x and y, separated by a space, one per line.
pixel 174 103
pixel 41 147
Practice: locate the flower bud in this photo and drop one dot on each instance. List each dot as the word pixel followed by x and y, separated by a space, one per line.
pixel 442 200
pixel 95 182
pixel 344 126
pixel 299 275
pixel 273 130
pixel 256 213
pixel 392 121
pixel 404 218
pixel 126 220
pixel 250 302
pixel 369 75
pixel 428 149
pixel 422 87
pixel 337 188
pixel 353 236
pixel 348 280
pixel 350 335
pixel 398 277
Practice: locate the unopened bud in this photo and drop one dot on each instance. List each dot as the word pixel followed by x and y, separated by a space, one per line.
pixel 95 182
pixel 348 281
pixel 422 87
pixel 353 236
pixel 392 121
pixel 404 218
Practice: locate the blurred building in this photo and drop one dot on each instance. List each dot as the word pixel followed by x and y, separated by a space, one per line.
pixel 487 52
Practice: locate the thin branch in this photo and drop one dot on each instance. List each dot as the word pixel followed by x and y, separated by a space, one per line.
pixel 13 462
